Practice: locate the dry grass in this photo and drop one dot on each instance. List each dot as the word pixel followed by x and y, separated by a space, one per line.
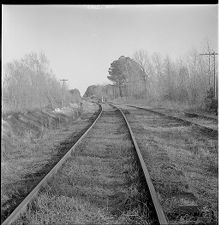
pixel 182 163
pixel 26 160
pixel 99 185
pixel 174 105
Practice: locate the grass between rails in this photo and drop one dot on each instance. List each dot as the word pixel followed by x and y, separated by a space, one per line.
pixel 26 162
pixel 100 184
pixel 183 166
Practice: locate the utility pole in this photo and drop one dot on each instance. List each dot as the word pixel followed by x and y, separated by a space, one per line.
pixel 214 78
pixel 63 83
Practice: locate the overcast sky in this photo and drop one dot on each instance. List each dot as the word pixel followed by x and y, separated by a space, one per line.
pixel 81 41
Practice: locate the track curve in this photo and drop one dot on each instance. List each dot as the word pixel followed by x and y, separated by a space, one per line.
pixel 160 214
pixel 22 206
pixel 154 206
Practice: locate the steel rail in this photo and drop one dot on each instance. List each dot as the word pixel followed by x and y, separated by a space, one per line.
pixel 195 114
pixel 201 116
pixel 22 206
pixel 159 211
pixel 212 131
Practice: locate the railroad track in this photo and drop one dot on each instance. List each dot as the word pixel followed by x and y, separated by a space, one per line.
pixel 15 188
pixel 206 129
pixel 182 163
pixel 192 115
pixel 114 176
pixel 22 206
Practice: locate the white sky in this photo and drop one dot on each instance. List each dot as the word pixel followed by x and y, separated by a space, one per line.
pixel 81 41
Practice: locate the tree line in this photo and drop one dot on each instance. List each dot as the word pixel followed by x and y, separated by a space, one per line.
pixel 29 83
pixel 154 77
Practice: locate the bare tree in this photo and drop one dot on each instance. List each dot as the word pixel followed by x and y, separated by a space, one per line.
pixel 28 83
pixel 183 80
pixel 141 57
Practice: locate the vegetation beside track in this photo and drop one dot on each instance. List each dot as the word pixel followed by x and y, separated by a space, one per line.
pixel 168 105
pixel 27 157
